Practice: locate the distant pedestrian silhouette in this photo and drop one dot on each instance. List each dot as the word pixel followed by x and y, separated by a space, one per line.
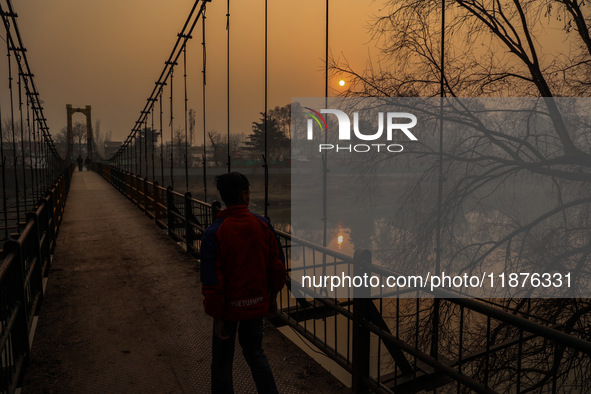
pixel 79 161
pixel 87 163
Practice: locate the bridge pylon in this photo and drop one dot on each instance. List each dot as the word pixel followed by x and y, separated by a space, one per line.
pixel 89 135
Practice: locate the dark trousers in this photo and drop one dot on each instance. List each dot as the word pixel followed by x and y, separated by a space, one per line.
pixel 250 337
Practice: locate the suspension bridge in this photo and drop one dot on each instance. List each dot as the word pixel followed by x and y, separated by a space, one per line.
pixel 99 285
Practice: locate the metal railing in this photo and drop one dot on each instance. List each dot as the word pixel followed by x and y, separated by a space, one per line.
pixel 26 258
pixel 388 344
pixel 184 217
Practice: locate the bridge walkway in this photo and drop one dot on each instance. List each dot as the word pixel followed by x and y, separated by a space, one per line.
pixel 122 311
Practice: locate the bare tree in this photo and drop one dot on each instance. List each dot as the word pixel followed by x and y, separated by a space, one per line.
pixel 497 48
pixel 79 136
pixel 61 141
pixel 219 147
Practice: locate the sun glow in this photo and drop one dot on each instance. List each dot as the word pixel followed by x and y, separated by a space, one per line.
pixel 342 82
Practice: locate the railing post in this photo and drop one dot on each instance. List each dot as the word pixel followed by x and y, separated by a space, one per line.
pixel 134 190
pixel 361 335
pixel 36 281
pixel 189 232
pixel 157 209
pixel 128 185
pixel 21 339
pixel 44 234
pixel 60 194
pixel 144 183
pixel 117 179
pixel 51 222
pixel 170 209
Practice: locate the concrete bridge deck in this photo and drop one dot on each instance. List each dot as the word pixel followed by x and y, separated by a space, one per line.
pixel 123 311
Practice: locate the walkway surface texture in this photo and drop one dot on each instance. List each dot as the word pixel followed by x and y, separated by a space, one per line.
pixel 123 311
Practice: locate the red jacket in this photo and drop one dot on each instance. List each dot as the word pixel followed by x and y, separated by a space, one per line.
pixel 242 263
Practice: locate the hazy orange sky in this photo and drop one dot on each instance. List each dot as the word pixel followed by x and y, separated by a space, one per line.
pixel 109 53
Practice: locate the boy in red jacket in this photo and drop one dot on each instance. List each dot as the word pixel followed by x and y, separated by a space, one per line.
pixel 242 270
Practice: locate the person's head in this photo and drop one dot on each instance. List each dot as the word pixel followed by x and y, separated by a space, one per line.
pixel 234 188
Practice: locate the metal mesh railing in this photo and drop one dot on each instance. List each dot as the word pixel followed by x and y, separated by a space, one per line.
pixel 23 267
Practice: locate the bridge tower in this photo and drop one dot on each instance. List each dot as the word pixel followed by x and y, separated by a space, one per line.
pixel 86 111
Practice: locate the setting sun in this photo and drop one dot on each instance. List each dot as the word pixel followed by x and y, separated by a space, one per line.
pixel 342 82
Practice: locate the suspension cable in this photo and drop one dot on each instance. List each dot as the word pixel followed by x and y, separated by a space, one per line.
pixel 204 71
pixel 3 162
pixel 266 119
pixel 161 143
pixel 171 130
pixel 169 64
pixel 436 304
pixel 325 156
pixel 186 117
pixel 14 150
pixel 146 145
pixel 25 71
pixel 32 153
pixel 20 110
pixel 228 84
pixel 137 162
pixel 152 144
pixel 138 140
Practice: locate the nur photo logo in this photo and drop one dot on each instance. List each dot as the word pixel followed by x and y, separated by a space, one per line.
pixel 390 122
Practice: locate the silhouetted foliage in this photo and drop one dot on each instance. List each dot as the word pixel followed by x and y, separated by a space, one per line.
pixel 277 141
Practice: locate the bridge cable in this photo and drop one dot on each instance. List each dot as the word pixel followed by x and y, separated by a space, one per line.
pixel 186 117
pixel 228 83
pixel 135 146
pixel 133 142
pixel 32 156
pixel 3 162
pixel 25 71
pixel 36 148
pixel 266 149
pixel 325 156
pixel 436 303
pixel 146 145
pixel 161 142
pixel 152 143
pixel 325 172
pixel 14 150
pixel 204 71
pixel 171 131
pixel 130 154
pixel 138 133
pixel 158 89
pixel 125 152
pixel 20 110
pixel 141 143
